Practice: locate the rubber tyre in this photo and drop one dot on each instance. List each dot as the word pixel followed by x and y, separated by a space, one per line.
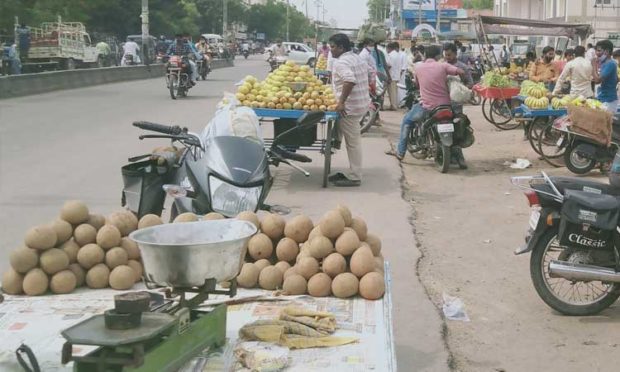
pixel 368 120
pixel 576 168
pixel 536 260
pixel 487 115
pixel 174 79
pixel 502 122
pixel 70 64
pixel 311 62
pixel 536 127
pixel 442 157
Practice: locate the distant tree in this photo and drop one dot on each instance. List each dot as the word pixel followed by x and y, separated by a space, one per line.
pixel 270 19
pixel 378 10
pixel 478 4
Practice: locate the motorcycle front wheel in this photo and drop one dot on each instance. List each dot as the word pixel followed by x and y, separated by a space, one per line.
pixel 565 296
pixel 173 85
pixel 369 118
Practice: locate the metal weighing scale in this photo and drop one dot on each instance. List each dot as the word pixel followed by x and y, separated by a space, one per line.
pixel 148 331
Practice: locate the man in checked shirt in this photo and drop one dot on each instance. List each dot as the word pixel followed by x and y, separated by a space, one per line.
pixel 350 84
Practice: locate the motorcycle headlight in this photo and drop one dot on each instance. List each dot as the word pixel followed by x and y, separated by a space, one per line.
pixel 230 200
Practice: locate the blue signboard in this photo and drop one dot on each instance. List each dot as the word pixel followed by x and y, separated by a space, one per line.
pixel 429 14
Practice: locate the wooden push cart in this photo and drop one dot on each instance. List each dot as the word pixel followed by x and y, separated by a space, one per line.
pixel 310 139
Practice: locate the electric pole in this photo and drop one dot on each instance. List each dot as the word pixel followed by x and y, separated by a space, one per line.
pixel 438 25
pixel 288 5
pixel 318 7
pixel 145 31
pixel 225 21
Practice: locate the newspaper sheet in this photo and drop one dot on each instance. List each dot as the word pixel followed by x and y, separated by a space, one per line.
pixel 38 321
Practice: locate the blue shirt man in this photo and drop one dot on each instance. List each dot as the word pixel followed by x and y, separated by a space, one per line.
pixel 607 76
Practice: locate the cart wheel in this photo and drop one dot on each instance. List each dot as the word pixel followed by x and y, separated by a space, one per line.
pixel 486 109
pixel 501 115
pixel 552 146
pixel 534 131
pixel 327 151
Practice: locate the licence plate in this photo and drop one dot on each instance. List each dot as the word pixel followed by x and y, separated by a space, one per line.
pixel 534 217
pixel 445 128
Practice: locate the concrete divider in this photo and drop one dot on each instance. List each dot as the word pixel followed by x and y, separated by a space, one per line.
pixel 27 84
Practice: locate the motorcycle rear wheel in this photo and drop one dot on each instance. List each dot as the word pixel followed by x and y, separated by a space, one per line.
pixel 368 120
pixel 173 85
pixel 577 163
pixel 546 286
pixel 442 157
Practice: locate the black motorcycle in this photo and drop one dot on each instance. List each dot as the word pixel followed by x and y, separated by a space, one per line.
pixel 178 76
pixel 412 92
pixel 246 53
pixel 227 175
pixel 371 117
pixel 574 242
pixel 202 65
pixel 441 135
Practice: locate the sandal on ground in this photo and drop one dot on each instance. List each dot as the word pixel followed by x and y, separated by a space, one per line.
pixel 346 182
pixel 336 176
pixel 393 152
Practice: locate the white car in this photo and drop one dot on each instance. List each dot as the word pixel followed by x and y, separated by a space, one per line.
pixel 297 52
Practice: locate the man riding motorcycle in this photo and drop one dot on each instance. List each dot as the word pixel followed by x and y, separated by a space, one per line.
pixel 183 48
pixel 130 48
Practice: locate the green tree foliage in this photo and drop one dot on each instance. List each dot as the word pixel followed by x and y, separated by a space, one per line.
pixel 478 4
pixel 167 17
pixel 378 10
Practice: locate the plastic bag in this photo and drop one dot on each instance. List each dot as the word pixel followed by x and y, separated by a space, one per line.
pixel 372 31
pixel 232 119
pixel 459 93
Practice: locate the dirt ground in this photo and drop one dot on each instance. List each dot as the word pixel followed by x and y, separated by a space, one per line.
pixel 468 223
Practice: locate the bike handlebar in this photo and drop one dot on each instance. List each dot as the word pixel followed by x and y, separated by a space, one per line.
pixel 165 129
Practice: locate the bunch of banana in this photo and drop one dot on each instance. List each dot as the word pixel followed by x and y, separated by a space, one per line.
pixel 594 104
pixel 578 101
pixel 528 86
pixel 559 103
pixel 537 103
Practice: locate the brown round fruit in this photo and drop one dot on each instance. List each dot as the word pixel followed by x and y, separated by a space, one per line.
pixel 307 266
pixel 79 272
pixel 315 232
pixel 250 217
pixel 133 252
pixel 12 282
pixel 53 260
pixel 262 263
pixel 295 285
pixel 85 234
pixel 272 225
pixel 116 256
pixel 71 248
pixel 372 286
pixel 149 220
pixel 213 216
pixel 320 247
pixel 90 255
pixel 98 276
pixel 248 277
pixel 24 259
pixel 96 220
pixel 122 277
pixel 270 278
pixel 360 228
pixel 375 243
pixel 298 228
pixel 64 230
pixel 35 282
pixel 290 271
pixel 345 212
pixel 379 265
pixel 185 217
pixel 125 221
pixel 334 264
pixel 362 262
pixel 345 285
pixel 63 282
pixel 320 285
pixel 137 269
pixel 287 250
pixel 283 266
pixel 260 246
pixel 41 237
pixel 332 224
pixel 108 237
pixel 75 212
pixel 347 243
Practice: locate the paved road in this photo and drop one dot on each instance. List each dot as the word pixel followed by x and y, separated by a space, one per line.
pixel 71 144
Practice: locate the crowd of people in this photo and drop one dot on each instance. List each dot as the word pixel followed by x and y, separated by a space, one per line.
pixel 576 71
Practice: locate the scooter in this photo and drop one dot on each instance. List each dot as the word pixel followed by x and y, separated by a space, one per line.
pixel 582 153
pixel 227 174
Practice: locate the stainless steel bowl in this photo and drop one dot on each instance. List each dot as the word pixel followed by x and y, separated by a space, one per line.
pixel 187 254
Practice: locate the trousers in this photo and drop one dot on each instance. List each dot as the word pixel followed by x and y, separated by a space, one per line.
pixel 349 128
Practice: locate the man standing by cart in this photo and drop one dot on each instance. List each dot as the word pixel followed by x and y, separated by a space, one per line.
pixel 350 83
pixel 579 72
pixel 605 72
pixel 545 70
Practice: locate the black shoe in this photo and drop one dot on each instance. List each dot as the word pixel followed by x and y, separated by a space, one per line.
pixel 336 144
pixel 336 176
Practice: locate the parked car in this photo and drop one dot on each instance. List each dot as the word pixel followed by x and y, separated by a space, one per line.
pixel 298 52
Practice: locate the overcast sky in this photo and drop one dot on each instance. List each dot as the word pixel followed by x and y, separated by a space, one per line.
pixel 348 13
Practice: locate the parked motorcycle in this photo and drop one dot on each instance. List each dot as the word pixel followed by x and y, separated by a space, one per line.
pixel 226 175
pixel 130 60
pixel 371 117
pixel 573 239
pixel 581 152
pixel 178 76
pixel 412 92
pixel 441 136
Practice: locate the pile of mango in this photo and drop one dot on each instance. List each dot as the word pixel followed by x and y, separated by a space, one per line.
pixel 579 101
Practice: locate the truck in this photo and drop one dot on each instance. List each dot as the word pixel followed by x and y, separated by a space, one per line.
pixel 58 45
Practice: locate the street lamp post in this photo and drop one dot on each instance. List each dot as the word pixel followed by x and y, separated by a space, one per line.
pixel 145 31
pixel 225 20
pixel 288 5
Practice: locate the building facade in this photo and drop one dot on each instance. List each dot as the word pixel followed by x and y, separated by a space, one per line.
pixel 602 15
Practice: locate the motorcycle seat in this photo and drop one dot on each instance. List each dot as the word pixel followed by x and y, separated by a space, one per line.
pixel 573 183
pixel 441 112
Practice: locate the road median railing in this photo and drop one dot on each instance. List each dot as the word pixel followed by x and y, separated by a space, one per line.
pixel 28 84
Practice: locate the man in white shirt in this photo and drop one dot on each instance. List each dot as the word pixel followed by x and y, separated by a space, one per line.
pixel 396 70
pixel 590 53
pixel 366 56
pixel 130 48
pixel 579 72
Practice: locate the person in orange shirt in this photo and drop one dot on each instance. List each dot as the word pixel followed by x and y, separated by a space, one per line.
pixel 545 70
